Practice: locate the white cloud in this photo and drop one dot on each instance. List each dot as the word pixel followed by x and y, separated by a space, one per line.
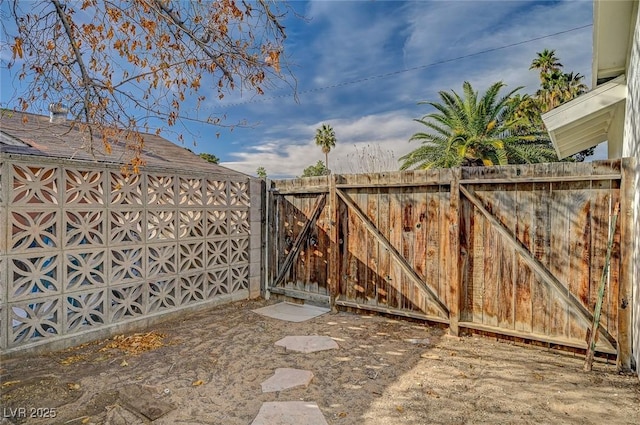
pixel 347 41
pixel 286 157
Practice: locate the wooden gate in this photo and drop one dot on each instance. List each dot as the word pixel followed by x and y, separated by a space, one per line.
pixel 516 250
pixel 298 228
pixel 533 242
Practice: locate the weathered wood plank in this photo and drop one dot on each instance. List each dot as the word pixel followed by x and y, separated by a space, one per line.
pixel 373 276
pixel 392 311
pixel 625 295
pixel 395 240
pixel 600 207
pixel 559 213
pixel 525 201
pixel 302 295
pixel 491 271
pixel 579 248
pixel 453 259
pixel 542 179
pixel 361 249
pixel 351 255
pixel 466 258
pixel 334 257
pixel 540 292
pixel 445 262
pixel 343 233
pixel 321 249
pixel 271 236
pixel 303 278
pixel 384 289
pixel 420 242
pixel 613 286
pixel 406 239
pixel 432 277
pixel 505 209
pixel 477 270
pixel 286 236
pixel 535 337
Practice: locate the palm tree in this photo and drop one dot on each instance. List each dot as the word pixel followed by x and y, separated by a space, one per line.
pixel 551 92
pixel 558 88
pixel 546 62
pixel 574 85
pixel 472 130
pixel 326 139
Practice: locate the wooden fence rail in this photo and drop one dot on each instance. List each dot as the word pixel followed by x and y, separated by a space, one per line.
pixel 515 250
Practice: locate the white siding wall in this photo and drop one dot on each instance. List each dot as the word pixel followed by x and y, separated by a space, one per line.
pixel 631 148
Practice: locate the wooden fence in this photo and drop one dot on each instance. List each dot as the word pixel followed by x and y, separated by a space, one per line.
pixel 516 250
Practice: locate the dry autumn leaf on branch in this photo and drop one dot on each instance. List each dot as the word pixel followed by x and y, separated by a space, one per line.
pixel 123 67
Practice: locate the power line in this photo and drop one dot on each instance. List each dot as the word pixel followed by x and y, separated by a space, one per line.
pixel 401 71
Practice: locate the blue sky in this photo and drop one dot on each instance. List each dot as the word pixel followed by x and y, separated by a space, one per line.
pixel 345 41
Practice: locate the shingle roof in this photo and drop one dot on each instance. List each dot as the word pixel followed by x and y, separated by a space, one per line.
pixel 31 134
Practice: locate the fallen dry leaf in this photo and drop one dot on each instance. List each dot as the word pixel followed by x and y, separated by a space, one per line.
pixel 73 386
pixel 198 383
pixel 124 363
pixel 73 359
pixel 9 383
pixel 136 343
pixel 400 409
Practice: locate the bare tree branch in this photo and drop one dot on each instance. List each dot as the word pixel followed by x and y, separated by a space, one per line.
pixel 126 65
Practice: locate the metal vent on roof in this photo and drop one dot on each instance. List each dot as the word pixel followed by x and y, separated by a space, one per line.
pixel 57 113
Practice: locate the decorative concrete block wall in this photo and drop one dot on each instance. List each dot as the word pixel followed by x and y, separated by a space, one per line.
pixel 256 223
pixel 85 252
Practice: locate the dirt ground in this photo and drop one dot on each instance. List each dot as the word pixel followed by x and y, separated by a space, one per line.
pixel 209 367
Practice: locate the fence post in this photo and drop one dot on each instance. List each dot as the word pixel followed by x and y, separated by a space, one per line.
pixel 455 283
pixel 334 243
pixel 256 204
pixel 625 299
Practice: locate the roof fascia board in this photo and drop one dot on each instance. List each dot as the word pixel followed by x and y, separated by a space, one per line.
pixel 602 97
pixel 584 121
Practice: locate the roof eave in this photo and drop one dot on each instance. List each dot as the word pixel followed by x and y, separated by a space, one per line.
pixel 613 25
pixel 584 122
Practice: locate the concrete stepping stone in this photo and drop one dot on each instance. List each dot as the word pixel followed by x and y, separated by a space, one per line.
pixel 286 378
pixel 289 413
pixel 307 344
pixel 144 401
pixel 291 312
pixel 118 415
